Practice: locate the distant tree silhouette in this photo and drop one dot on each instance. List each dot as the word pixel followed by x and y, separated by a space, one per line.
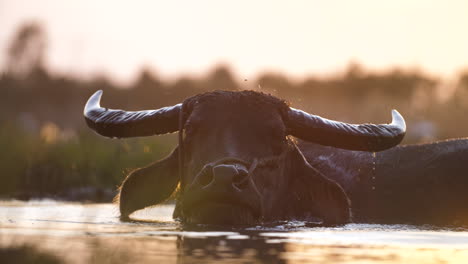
pixel 27 51
pixel 276 84
pixel 220 79
pixel 182 88
pixel 460 97
pixel 148 91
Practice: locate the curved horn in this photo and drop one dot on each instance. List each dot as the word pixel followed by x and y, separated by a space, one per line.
pixel 365 137
pixel 120 123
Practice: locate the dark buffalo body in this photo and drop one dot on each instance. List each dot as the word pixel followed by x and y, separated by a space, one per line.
pixel 416 184
pixel 237 161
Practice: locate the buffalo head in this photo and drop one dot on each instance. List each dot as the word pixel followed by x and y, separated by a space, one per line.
pixel 236 162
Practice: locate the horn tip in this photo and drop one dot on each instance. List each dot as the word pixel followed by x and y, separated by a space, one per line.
pixel 93 102
pixel 398 120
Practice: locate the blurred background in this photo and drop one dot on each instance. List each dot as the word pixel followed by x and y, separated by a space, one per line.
pixel 351 61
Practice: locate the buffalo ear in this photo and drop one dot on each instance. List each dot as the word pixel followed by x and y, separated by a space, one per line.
pixel 320 195
pixel 149 186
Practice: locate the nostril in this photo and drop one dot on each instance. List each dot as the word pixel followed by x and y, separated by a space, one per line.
pixel 205 178
pixel 241 180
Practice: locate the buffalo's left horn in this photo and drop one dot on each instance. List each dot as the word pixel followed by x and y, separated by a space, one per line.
pixel 365 137
pixel 120 123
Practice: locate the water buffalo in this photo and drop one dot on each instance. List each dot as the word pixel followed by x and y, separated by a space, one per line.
pixel 415 184
pixel 236 162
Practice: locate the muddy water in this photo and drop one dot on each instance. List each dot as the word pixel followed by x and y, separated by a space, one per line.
pixel 93 233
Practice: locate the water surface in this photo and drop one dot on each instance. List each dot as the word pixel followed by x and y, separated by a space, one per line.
pixel 93 233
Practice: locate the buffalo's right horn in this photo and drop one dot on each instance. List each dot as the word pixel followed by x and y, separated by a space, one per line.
pixel 365 137
pixel 120 123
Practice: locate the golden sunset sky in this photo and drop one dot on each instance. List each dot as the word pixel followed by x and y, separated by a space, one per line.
pixel 295 37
